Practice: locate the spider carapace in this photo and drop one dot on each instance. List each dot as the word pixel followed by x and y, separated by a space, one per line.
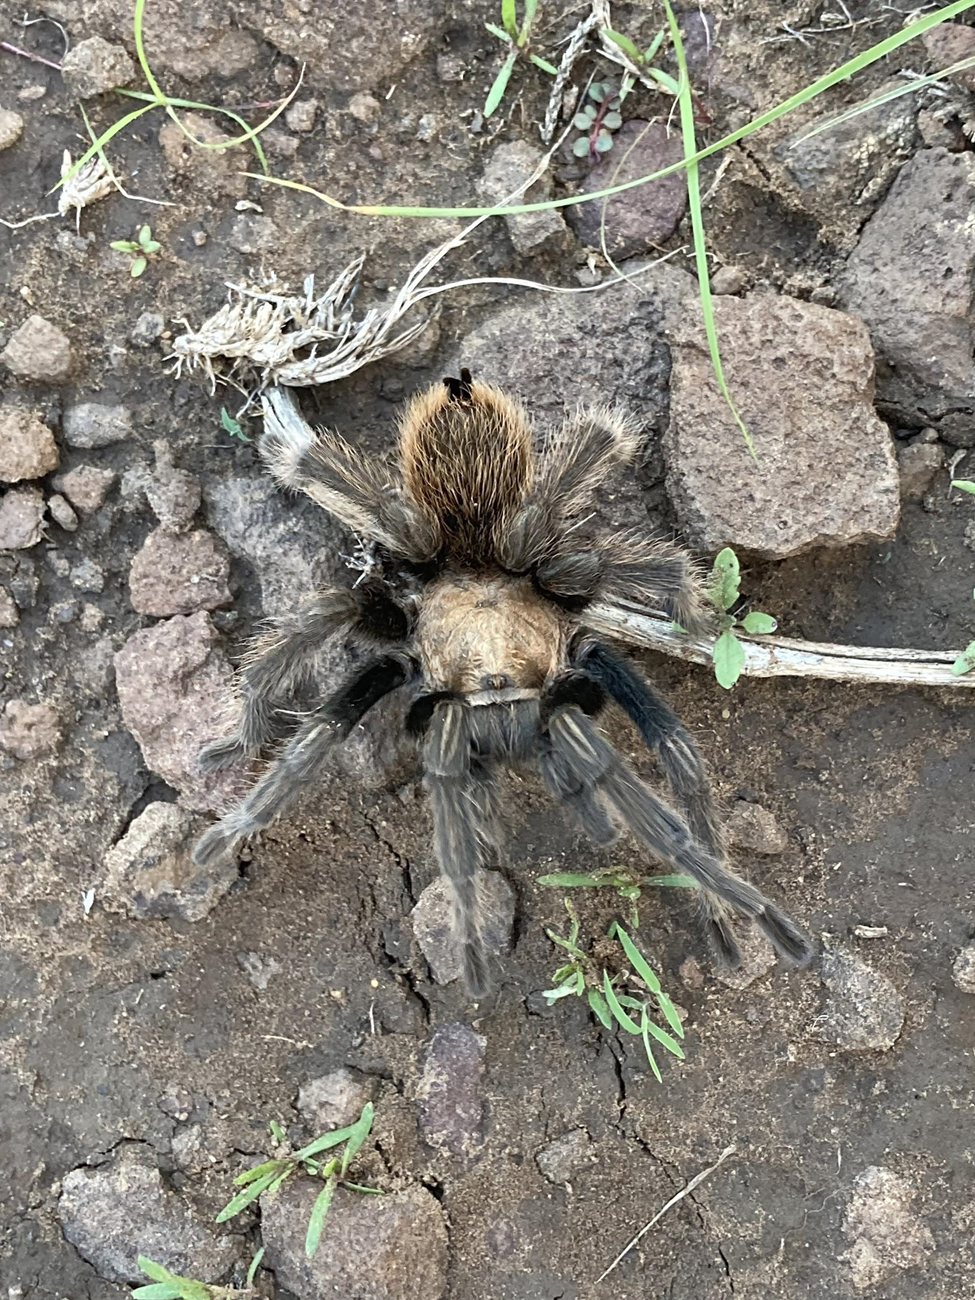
pixel 475 605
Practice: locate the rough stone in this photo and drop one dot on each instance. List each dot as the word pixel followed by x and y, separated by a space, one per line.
pixel 90 424
pixel 147 329
pixel 9 614
pixel 802 379
pixel 88 576
pixel 364 107
pixel 729 280
pixel 752 827
pixel 963 971
pixel 450 1091
pixel 21 519
pixel 691 975
pixel 38 350
pixel 62 513
pixel 27 446
pixel 559 1160
pixel 150 873
pixel 863 1011
pixel 508 166
pixel 432 928
pixel 637 219
pixel 336 1099
pixel 214 173
pixel 260 970
pixel 177 573
pixel 886 1231
pixel 757 958
pixel 87 486
pixel 11 127
pixel 300 116
pixel 174 682
pixel 391 1247
pixel 919 464
pixel 173 494
pixel 29 730
pixel 912 279
pixel 95 66
pixel 950 43
pixel 123 1209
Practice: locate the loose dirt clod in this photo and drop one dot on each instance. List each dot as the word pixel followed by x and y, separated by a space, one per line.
pixel 29 730
pixel 863 1011
pixel 95 66
pixel 27 446
pixel 93 424
pixel 39 351
pixel 336 1099
pixel 886 1231
pixel 21 519
pixel 450 1091
pixel 750 826
pixel 433 931
pixel 179 573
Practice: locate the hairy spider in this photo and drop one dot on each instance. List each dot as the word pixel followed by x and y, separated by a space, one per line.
pixel 476 606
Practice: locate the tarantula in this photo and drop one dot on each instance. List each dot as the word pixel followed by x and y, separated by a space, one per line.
pixel 476 606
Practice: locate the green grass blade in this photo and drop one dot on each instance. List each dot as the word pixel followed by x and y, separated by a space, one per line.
pixel 499 32
pixel 670 1013
pixel 243 1198
pixel 644 1023
pixel 496 93
pixel 676 881
pixel 615 1006
pixel 157 1291
pixel 276 1131
pixel 665 1039
pixel 366 1191
pixel 571 880
pixel 638 961
pixel 326 1141
pixel 568 944
pixel 654 45
pixel 544 64
pixel 360 1131
pixel 509 18
pixel 686 104
pixel 319 1212
pixel 178 1288
pixel 158 1272
pixel 255 1265
pixel 625 44
pixel 600 1008
pixel 258 1171
pixel 965 484
pixel 103 139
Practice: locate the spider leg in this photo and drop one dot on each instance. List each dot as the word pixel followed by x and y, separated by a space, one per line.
pixel 577 460
pixel 653 571
pixel 303 756
pixel 462 797
pixel 280 662
pixel 594 762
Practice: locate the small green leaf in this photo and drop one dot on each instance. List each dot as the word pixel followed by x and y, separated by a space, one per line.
pixel 725 581
pixel 581 146
pixel 496 93
pixel 499 32
pixel 176 1287
pixel 729 659
pixel 582 121
pixel 360 1131
pixel 672 882
pixel 637 960
pixel 243 1198
pixel 367 1191
pixel 665 1040
pixel 509 18
pixel 568 944
pixel 670 1013
pixel 317 1221
pixel 255 1265
pixel 138 266
pixel 124 246
pixel 604 142
pixel 665 80
pixel 258 1171
pixel 570 879
pixel 612 121
pixel 614 104
pixel 591 112
pixel 151 247
pixel 544 64
pixel 624 1020
pixel 277 1132
pixel 758 623
pixel 597 92
pixel 644 1024
pixel 232 426
pixel 654 45
pixel 625 44
pixel 145 234
pixel 157 1291
pixel 600 1008
pixel 562 991
pixel 966 484
pixel 965 661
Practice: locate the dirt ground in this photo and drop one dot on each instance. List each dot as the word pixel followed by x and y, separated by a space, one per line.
pixel 118 1034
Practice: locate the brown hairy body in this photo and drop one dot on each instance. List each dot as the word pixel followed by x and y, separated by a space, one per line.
pixel 475 605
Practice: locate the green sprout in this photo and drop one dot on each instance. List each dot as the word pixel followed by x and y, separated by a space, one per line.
pixel 140 250
pixel 725 586
pixel 607 995
pixel 270 1174
pixel 167 1285
pixel 517 38
pixel 232 425
pixel 628 884
pixel 598 120
pixel 641 59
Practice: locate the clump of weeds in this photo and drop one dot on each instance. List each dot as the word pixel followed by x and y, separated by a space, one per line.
pixel 724 589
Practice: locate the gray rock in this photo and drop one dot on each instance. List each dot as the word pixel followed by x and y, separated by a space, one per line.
pixel 885 1229
pixel 21 519
pixel 729 280
pixel 450 1091
pixel 150 873
pixel 95 66
pixel 802 378
pixel 27 446
pixel 752 827
pixel 863 1011
pixel 364 107
pixel 65 611
pixel 147 329
pixel 432 928
pixel 637 219
pixel 87 486
pixel 9 614
pixel 174 683
pixel 253 233
pixel 177 573
pixel 300 115
pixel 123 1209
pixel 279 144
pixel 90 424
pixel 919 464
pixel 757 958
pixel 88 576
pixel 912 279
pixel 391 1247
pixel 963 971
pixel 950 43
pixel 173 494
pixel 259 970
pixel 62 513
pixel 559 1160
pixel 30 730
pixel 336 1099
pixel 39 351
pixel 11 127
pixel 508 166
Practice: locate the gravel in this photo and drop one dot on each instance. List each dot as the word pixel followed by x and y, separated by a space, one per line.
pixel 62 513
pixel 336 1099
pixel 885 1229
pixel 95 66
pixel 173 494
pixel 90 424
pixel 11 127
pixel 863 1011
pixel 30 730
pixel 919 464
pixel 176 573
pixel 9 614
pixel 87 486
pixel 39 351
pixel 508 166
pixel 27 446
pixel 300 116
pixel 963 971
pixel 750 826
pixel 21 519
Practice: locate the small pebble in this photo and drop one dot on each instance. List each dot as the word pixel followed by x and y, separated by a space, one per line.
pixel 364 107
pixel 65 611
pixel 147 329
pixel 88 576
pixel 300 116
pixel 87 486
pixel 752 827
pixel 963 971
pixel 199 238
pixel 919 464
pixel 729 279
pixel 29 730
pixel 691 975
pixel 9 614
pixel 95 66
pixel 451 68
pixel 90 424
pixel 27 446
pixel 62 513
pixel 11 127
pixel 558 1161
pixel 21 519
pixel 91 619
pixel 39 351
